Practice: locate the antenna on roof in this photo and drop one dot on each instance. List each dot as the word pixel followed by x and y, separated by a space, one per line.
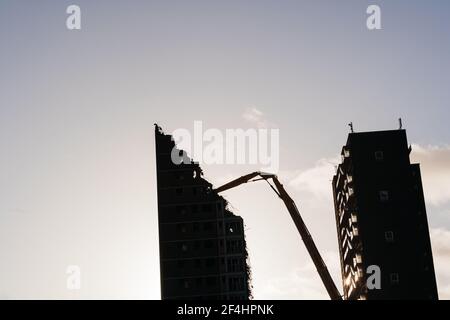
pixel 351 127
pixel 400 124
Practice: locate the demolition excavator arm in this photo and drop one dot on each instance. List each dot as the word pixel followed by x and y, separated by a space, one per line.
pixel 298 221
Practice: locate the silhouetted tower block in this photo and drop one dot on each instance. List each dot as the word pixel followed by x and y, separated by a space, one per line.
pixel 381 218
pixel 202 246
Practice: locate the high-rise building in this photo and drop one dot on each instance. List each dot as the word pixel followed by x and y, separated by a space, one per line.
pixel 381 219
pixel 202 246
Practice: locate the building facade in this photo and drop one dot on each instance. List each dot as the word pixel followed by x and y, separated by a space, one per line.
pixel 381 220
pixel 202 245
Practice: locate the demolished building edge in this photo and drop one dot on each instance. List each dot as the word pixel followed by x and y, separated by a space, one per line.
pixel 167 234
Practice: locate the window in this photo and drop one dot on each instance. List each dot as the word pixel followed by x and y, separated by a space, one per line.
pixel 184 247
pixel 384 195
pixel 235 284
pixel 208 244
pixel 235 265
pixel 210 282
pixel 179 176
pixel 234 246
pixel 360 272
pixel 179 191
pixel 180 263
pixel 207 226
pixel 210 262
pixel 207 207
pixel 389 236
pixel 395 279
pixel 350 191
pixel 194 208
pixel 181 210
pixel 379 155
pixel 346 153
pixel 232 227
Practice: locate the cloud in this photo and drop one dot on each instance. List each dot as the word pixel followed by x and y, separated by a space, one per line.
pixel 435 167
pixel 256 117
pixel 440 239
pixel 316 180
pixel 302 283
pixel 434 162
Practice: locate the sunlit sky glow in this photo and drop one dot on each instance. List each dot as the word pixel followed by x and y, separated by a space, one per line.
pixel 77 164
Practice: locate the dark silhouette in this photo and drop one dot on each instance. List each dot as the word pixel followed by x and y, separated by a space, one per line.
pixel 381 219
pixel 202 246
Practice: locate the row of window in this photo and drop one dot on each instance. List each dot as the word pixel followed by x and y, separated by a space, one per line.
pixel 378 155
pixel 384 195
pixel 196 208
pixel 180 191
pixel 231 227
pixel 197 263
pixel 232 246
pixel 234 283
pixel 233 264
pixel 196 226
pixel 198 283
pixel 180 176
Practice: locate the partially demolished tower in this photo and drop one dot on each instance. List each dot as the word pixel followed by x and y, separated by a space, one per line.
pixel 202 245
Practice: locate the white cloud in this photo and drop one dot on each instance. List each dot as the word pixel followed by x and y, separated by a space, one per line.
pixel 435 167
pixel 256 117
pixel 434 162
pixel 302 283
pixel 316 180
pixel 440 239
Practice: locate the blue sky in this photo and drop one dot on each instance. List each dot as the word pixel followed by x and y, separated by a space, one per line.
pixel 76 126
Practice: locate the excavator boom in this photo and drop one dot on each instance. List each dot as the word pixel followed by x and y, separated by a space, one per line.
pixel 299 223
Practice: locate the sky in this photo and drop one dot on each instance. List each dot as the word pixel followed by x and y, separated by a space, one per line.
pixel 77 108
